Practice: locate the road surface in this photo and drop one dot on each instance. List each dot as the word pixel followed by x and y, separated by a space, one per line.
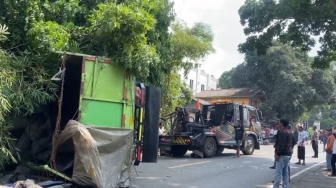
pixel 217 172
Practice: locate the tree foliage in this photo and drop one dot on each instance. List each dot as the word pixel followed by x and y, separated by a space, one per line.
pixel 326 114
pixel 5 106
pixel 188 46
pixel 23 87
pixel 291 85
pixel 292 22
pixel 225 79
pixel 134 34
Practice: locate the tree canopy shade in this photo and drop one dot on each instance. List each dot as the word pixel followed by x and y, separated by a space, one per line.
pixel 291 85
pixel 293 22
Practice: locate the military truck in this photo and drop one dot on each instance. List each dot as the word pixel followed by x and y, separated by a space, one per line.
pixel 209 131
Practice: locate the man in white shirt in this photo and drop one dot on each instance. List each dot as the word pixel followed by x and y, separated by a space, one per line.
pixel 301 146
pixel 271 131
pixel 275 131
pixel 161 129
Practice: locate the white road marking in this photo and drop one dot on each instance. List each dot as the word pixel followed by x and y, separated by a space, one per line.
pixel 178 166
pixel 294 167
pixel 302 171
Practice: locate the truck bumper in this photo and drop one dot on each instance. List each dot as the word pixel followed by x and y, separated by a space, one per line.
pixel 174 140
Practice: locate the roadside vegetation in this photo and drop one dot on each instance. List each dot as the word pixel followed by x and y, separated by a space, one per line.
pixel 142 36
pixel 279 36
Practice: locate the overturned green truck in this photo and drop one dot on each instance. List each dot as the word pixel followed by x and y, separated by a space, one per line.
pixel 120 114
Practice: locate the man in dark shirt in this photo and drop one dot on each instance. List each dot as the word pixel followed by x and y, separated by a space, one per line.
pixel 239 134
pixel 284 150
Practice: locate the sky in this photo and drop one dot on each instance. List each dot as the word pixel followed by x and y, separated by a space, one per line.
pixel 222 16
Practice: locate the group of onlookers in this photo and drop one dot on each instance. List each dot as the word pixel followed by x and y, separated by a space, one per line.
pixel 285 140
pixel 302 140
pixel 330 149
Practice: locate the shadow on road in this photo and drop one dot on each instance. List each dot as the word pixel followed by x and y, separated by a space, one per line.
pixel 188 156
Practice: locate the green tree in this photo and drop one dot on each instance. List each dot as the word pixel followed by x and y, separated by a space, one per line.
pixel 285 75
pixel 326 114
pixel 240 77
pixel 293 22
pixel 22 89
pixel 5 106
pixel 128 32
pixel 135 34
pixel 188 45
pixel 225 79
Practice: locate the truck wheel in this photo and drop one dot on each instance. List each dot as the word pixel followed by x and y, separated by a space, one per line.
pixel 220 150
pixel 249 146
pixel 209 147
pixel 178 151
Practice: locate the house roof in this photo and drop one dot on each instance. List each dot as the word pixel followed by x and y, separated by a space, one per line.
pixel 232 92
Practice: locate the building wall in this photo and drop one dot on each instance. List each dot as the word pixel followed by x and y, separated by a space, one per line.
pixel 198 80
pixel 213 82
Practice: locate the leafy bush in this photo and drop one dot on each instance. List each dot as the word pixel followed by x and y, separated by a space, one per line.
pixel 23 87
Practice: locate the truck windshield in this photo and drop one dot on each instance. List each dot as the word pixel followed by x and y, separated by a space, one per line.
pixel 222 113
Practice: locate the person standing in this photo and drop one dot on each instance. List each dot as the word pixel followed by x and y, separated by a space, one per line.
pixel 251 120
pixel 275 136
pixel 314 142
pixel 161 132
pixel 284 150
pixel 161 129
pixel 239 134
pixel 271 131
pixel 301 146
pixel 329 149
pixel 296 132
pixel 325 136
pixel 294 141
pixel 333 157
pixel 275 131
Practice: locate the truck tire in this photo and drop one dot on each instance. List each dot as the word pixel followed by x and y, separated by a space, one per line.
pixel 249 146
pixel 178 151
pixel 209 147
pixel 220 150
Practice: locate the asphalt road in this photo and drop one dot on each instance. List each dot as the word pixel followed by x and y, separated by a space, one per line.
pixel 220 171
